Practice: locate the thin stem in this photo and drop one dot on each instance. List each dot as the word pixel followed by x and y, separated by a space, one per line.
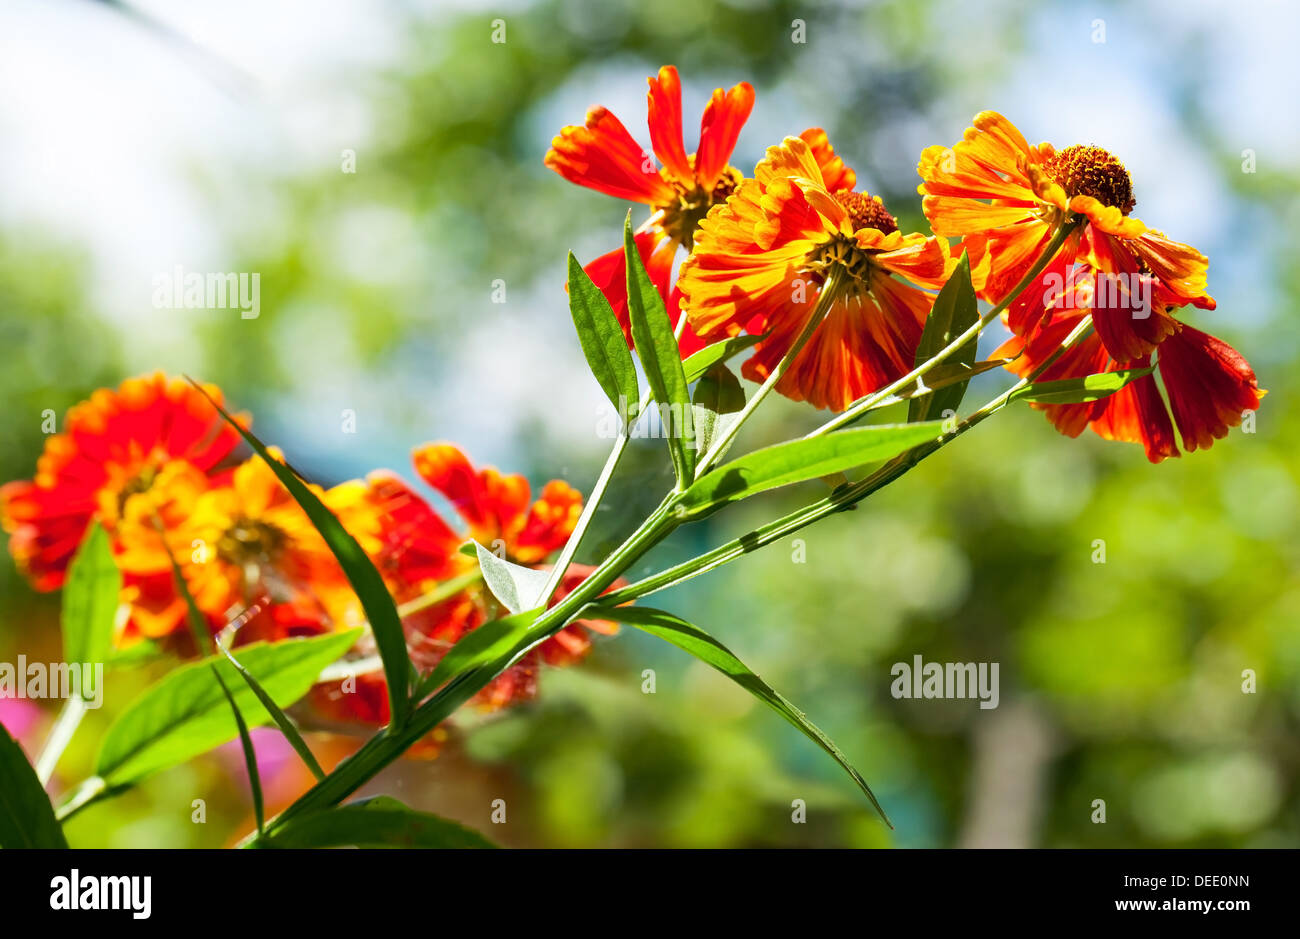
pixel 829 294
pixel 836 502
pixel 70 715
pixel 384 748
pixel 860 407
pixel 602 482
pixel 444 591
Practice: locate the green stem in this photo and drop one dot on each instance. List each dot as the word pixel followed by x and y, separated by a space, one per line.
pixel 838 501
pixel 386 747
pixel 70 715
pixel 444 591
pixel 830 292
pixel 602 483
pixel 863 405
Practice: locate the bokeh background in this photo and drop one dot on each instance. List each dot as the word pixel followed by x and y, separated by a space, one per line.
pixel 212 134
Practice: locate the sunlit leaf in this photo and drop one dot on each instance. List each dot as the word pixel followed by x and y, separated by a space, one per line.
pixel 602 340
pixel 715 405
pixel 799 460
pixel 955 310
pixel 90 600
pixel 656 345
pixel 1079 390
pixel 518 588
pixel 184 713
pixel 698 363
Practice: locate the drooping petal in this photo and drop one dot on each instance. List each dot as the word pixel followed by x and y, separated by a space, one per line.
pixel 1210 386
pixel 1136 413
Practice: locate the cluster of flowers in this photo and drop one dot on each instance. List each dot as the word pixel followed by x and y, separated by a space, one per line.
pixel 760 249
pixel 157 466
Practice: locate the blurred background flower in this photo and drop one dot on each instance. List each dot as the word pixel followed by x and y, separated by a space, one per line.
pixel 423 294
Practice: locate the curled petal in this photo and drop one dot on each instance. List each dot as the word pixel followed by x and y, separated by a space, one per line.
pixel 724 116
pixel 603 156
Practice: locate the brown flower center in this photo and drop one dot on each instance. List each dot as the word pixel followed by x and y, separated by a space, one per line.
pixel 867 212
pixel 683 216
pixel 248 540
pixel 1092 171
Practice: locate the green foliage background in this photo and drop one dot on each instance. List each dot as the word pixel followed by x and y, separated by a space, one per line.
pixel 1119 681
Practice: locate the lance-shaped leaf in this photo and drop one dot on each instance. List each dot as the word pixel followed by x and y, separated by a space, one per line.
pixel 482 646
pixel 250 755
pixel 366 581
pixel 798 460
pixel 518 588
pixel 716 404
pixel 26 815
pixel 184 713
pixel 277 714
pixel 602 341
pixel 955 310
pixel 657 347
pixel 381 822
pixel 1079 390
pixel 90 600
pixel 698 363
pixel 704 647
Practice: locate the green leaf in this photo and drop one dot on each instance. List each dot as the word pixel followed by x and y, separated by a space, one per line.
pixel 479 647
pixel 704 647
pixel 798 460
pixel 366 581
pixel 518 588
pixel 602 340
pixel 281 719
pixel 698 363
pixel 717 401
pixel 250 755
pixel 657 347
pixel 90 600
pixel 955 310
pixel 381 822
pixel 26 815
pixel 1079 390
pixel 183 714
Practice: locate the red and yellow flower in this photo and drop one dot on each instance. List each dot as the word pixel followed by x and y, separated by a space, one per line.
pixel 602 155
pixel 1008 201
pixel 762 259
pixel 113 447
pixel 418 552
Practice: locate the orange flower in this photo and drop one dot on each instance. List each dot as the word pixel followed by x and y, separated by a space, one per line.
pixel 1008 200
pixel 760 261
pixel 245 547
pixel 499 515
pixel 497 508
pixel 603 156
pixel 417 551
pixel 113 447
